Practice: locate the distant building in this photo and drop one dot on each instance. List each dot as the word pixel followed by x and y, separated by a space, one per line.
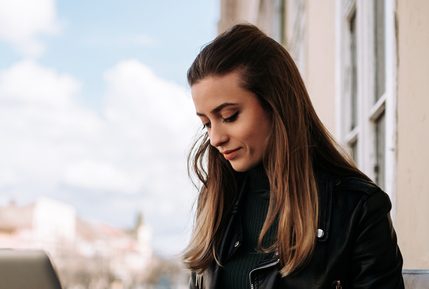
pixel 46 224
pixel 94 253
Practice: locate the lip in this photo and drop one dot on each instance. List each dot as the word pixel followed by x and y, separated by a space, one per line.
pixel 230 154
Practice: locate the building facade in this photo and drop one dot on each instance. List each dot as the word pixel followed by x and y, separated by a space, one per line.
pixel 365 67
pixel 86 254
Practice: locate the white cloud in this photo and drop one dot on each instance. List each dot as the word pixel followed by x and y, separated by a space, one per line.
pixel 42 127
pixel 22 22
pixel 91 175
pixel 131 156
pixel 156 121
pixel 162 109
pixel 28 84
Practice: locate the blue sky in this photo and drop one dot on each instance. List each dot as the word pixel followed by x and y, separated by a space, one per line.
pixel 95 110
pixel 165 35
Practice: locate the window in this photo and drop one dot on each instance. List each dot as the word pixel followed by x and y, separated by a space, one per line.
pixel 366 91
pixel 279 21
pixel 352 97
pixel 295 26
pixel 378 106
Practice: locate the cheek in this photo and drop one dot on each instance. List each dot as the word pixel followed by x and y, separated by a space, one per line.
pixel 255 132
pixel 262 142
pixel 256 139
pixel 262 135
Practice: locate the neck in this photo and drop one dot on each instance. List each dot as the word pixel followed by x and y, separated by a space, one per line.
pixel 258 179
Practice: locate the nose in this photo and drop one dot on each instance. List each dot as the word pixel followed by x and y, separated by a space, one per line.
pixel 217 136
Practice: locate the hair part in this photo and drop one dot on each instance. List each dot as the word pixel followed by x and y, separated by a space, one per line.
pixel 298 143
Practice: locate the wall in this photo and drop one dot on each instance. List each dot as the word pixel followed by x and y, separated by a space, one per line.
pixel 320 59
pixel 412 219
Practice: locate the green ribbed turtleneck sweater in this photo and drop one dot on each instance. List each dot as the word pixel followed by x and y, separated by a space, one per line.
pixel 253 210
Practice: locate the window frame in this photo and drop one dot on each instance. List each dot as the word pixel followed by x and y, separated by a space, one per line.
pixel 368 111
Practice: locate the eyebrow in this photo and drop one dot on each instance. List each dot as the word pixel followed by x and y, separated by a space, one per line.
pixel 218 108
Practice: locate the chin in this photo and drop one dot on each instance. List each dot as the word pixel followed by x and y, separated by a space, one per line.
pixel 241 167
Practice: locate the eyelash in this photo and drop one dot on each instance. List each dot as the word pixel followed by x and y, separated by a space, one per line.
pixel 232 118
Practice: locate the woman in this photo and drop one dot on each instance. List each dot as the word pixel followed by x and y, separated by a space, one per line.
pixel 280 205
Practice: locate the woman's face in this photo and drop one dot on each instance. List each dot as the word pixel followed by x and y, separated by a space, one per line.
pixel 237 125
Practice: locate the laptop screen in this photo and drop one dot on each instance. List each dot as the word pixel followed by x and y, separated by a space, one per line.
pixel 27 269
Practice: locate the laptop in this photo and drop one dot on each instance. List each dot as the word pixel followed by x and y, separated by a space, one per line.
pixel 27 269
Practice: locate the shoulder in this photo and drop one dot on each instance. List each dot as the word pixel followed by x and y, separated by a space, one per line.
pixel 346 194
pixel 349 207
pixel 356 185
pixel 360 189
pixel 359 194
pixel 351 188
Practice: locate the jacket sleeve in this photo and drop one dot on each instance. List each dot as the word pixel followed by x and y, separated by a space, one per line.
pixel 376 260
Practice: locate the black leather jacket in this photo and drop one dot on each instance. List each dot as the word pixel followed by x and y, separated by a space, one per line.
pixel 356 245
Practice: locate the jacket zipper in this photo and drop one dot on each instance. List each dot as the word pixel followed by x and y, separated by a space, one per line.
pixel 252 286
pixel 199 281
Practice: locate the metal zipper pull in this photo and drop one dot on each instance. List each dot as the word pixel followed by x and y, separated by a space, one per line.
pixel 338 284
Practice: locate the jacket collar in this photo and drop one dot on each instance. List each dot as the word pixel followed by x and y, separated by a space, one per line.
pixel 232 234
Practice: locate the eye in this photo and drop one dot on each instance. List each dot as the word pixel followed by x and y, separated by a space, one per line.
pixel 206 125
pixel 231 118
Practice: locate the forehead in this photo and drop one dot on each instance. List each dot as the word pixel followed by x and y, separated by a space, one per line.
pixel 214 90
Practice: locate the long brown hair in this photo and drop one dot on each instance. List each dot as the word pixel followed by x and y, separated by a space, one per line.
pixel 298 144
